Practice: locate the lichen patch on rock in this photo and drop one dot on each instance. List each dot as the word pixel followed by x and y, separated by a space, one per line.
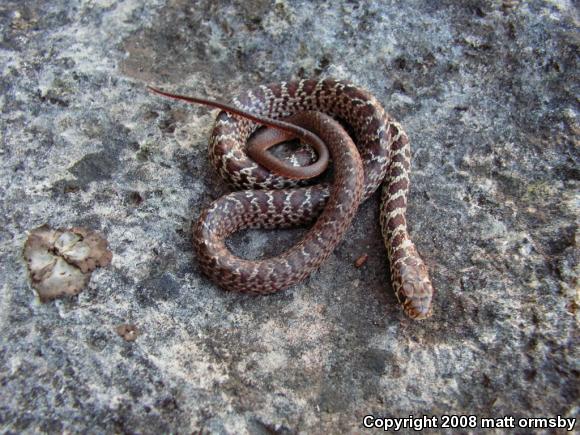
pixel 61 261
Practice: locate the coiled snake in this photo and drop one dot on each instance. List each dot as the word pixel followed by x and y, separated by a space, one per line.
pixel 309 110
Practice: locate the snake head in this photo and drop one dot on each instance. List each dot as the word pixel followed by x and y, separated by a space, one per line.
pixel 416 291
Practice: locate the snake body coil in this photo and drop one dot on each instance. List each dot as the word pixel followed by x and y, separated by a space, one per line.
pixel 274 201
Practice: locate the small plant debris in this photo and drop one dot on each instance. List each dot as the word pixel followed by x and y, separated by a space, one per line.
pixel 61 261
pixel 128 331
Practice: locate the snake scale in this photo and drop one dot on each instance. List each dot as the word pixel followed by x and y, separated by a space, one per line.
pixel 273 200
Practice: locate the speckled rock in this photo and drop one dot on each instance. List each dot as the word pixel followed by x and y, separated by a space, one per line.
pixel 487 93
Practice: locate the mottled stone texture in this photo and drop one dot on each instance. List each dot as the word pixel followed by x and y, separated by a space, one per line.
pixel 487 93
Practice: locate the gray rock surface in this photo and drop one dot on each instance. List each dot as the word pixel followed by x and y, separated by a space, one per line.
pixel 487 91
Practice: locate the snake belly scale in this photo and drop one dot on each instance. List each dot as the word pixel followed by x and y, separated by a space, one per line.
pixel 271 200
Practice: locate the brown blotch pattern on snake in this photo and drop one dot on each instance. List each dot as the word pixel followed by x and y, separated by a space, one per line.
pixel 386 159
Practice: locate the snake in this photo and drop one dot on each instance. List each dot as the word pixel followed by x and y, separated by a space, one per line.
pixel 368 149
